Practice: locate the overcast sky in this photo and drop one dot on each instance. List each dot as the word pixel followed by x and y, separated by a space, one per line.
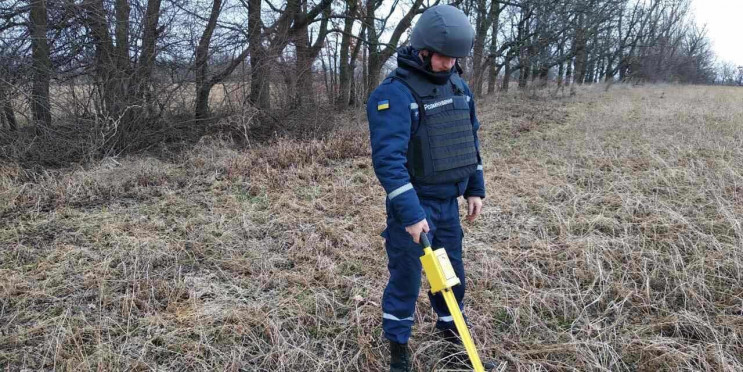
pixel 724 19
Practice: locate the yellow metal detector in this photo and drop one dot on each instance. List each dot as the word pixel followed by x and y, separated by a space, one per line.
pixel 442 278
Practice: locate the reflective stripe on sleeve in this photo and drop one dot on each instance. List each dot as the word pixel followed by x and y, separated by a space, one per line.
pixel 400 190
pixel 447 319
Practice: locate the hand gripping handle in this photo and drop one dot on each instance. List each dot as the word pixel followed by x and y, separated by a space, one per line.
pixel 425 243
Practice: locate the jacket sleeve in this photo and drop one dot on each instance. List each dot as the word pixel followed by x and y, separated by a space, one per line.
pixel 389 128
pixel 476 182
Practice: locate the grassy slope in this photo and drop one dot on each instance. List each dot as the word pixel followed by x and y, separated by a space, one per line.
pixel 611 240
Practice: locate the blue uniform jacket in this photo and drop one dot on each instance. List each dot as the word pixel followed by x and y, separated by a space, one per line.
pixel 391 120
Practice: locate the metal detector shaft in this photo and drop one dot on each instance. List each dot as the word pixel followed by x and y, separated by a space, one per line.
pixel 442 278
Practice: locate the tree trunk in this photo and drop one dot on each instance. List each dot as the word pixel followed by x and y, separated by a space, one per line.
pixel 42 65
pixel 335 78
pixel 346 71
pixel 307 52
pixel 543 75
pixel 623 67
pixel 201 63
pixel 8 115
pixel 506 74
pixel 481 31
pixel 588 79
pixel 561 67
pixel 492 69
pixel 523 76
pixel 326 80
pixel 593 60
pixel 373 64
pixel 202 101
pixel 353 94
pixel 303 70
pixel 2 115
pixel 609 71
pixel 365 73
pixel 493 77
pixel 123 81
pixel 524 55
pixel 478 68
pixel 107 74
pixel 373 71
pixel 525 63
pixel 259 63
pixel 569 75
pixel 581 53
pixel 148 55
pixel 121 33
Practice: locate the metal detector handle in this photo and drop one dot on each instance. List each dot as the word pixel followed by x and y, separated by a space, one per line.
pixel 425 243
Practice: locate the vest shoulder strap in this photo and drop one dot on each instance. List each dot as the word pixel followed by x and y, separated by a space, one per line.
pixel 457 83
pixel 403 76
pixel 418 84
pixel 399 75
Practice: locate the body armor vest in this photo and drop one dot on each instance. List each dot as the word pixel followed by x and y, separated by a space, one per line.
pixel 442 146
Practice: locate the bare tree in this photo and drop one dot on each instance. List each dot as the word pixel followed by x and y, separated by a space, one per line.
pixel 346 58
pixel 122 81
pixel 265 42
pixel 204 81
pixel 11 59
pixel 42 66
pixel 726 73
pixel 307 52
pixel 486 20
pixel 379 53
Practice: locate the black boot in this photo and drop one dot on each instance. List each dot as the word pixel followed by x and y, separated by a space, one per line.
pixel 456 356
pixel 399 357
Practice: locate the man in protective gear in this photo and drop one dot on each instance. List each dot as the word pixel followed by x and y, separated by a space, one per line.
pixel 425 152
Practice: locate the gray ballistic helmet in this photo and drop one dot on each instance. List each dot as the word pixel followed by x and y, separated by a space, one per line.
pixel 443 29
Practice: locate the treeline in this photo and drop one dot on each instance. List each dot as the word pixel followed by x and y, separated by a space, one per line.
pixel 124 66
pixel 729 74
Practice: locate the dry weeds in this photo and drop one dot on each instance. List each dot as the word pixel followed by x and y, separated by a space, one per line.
pixel 611 241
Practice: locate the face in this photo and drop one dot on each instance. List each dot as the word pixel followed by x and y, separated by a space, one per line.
pixel 440 62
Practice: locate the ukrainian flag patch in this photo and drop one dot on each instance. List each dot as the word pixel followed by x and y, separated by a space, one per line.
pixel 383 105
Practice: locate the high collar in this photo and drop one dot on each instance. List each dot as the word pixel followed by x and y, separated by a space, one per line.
pixel 407 58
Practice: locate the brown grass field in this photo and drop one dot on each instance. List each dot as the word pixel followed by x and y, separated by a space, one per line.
pixel 611 240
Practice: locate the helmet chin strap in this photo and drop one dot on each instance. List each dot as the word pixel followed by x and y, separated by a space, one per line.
pixel 458 67
pixel 427 60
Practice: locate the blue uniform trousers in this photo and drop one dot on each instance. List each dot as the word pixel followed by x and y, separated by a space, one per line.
pixel 401 293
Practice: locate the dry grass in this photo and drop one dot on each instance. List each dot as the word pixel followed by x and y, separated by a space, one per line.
pixel 611 241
